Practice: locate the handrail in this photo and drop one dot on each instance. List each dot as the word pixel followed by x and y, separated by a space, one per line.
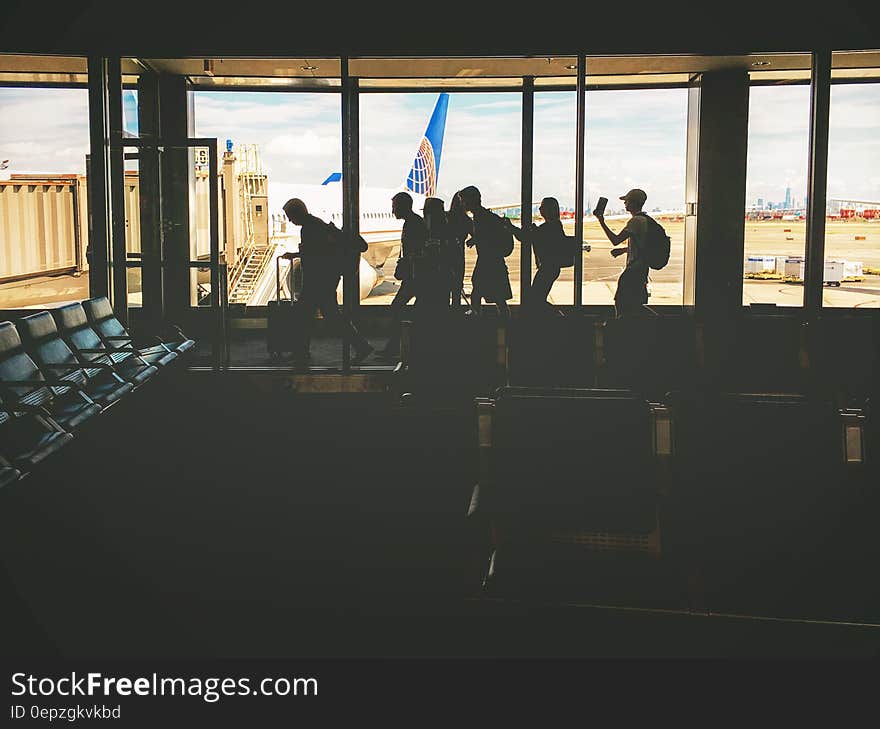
pixel 239 266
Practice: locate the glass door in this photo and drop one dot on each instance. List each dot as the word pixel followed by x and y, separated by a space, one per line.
pixel 162 280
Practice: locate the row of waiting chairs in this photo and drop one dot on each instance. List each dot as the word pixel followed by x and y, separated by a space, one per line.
pixel 653 355
pixel 763 499
pixel 59 369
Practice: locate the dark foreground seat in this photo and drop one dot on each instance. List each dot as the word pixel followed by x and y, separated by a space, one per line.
pixel 764 502
pixel 753 354
pixel 566 467
pixel 92 353
pixel 448 358
pixel 548 350
pixel 650 355
pixel 115 336
pixel 42 340
pixel 843 358
pixel 25 386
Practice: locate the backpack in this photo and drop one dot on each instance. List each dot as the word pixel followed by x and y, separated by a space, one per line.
pixel 656 244
pixel 557 248
pixel 347 248
pixel 503 237
pixel 571 249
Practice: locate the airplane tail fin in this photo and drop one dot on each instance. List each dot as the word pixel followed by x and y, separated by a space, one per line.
pixel 425 171
pixel 129 114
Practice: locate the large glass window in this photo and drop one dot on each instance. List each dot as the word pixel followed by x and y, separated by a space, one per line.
pixel 776 192
pixel 273 146
pixel 554 170
pixel 44 140
pixel 481 146
pixel 852 226
pixel 635 138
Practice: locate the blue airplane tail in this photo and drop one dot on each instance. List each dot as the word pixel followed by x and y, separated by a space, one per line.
pixel 425 171
pixel 129 114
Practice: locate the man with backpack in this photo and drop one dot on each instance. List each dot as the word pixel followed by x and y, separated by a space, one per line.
pixel 323 252
pixel 494 242
pixel 648 247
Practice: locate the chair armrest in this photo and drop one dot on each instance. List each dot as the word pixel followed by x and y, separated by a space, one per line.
pixel 48 382
pixel 158 340
pixel 477 507
pixel 62 368
pixel 21 407
pixel 26 383
pixel 98 365
pixel 178 331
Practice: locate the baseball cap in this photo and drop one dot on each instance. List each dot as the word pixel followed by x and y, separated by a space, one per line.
pixel 635 195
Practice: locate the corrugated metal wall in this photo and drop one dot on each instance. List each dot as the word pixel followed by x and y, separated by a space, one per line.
pixel 37 227
pixel 38 221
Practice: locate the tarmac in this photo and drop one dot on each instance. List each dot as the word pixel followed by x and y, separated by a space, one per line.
pixel 851 240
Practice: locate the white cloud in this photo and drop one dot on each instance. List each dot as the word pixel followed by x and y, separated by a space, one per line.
pixel 44 130
pixel 633 137
pixel 307 144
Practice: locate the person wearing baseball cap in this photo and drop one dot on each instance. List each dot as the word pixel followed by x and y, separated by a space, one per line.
pixel 632 286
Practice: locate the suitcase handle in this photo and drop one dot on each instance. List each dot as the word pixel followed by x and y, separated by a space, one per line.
pixel 278 279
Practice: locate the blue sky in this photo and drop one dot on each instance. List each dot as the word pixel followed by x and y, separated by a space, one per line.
pixel 634 139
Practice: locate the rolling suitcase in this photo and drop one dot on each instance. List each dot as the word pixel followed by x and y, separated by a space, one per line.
pixel 285 322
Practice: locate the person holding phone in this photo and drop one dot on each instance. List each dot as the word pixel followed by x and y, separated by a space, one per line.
pixel 632 286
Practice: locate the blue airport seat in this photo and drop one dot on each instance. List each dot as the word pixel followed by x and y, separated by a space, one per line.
pixel 93 354
pixel 41 338
pixel 115 335
pixel 28 438
pixel 24 385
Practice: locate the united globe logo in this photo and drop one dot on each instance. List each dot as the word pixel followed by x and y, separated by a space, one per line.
pixel 422 178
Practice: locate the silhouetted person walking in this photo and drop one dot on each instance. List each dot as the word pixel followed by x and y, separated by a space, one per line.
pixel 412 245
pixel 460 227
pixel 321 274
pixel 553 250
pixel 494 241
pixel 436 274
pixel 632 286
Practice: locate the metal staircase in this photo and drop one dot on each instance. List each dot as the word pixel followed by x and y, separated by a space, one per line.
pixel 252 260
pixel 250 276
